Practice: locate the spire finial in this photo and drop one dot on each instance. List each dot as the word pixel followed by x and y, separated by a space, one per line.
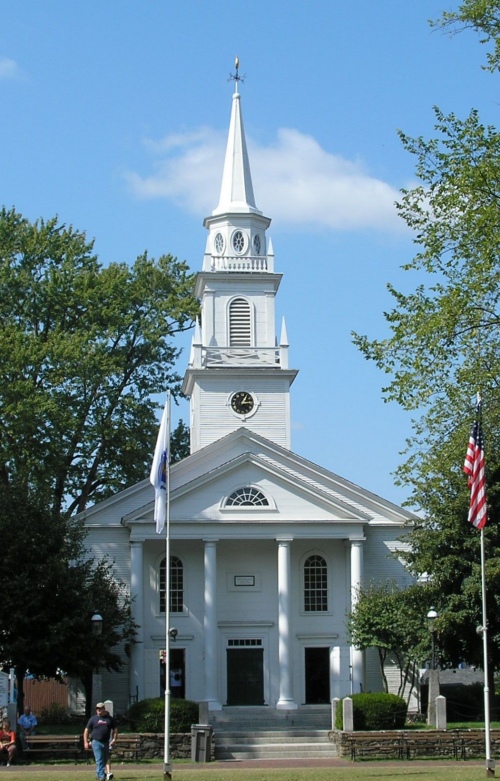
pixel 236 76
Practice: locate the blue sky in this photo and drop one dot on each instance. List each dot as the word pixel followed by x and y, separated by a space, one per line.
pixel 114 117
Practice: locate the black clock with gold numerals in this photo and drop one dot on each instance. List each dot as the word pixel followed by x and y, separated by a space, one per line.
pixel 242 402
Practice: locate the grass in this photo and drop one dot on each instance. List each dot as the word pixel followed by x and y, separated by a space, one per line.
pixel 231 772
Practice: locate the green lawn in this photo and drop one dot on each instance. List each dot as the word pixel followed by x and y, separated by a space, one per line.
pixel 231 772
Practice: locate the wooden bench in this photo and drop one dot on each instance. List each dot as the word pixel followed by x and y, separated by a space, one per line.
pixel 127 746
pixel 376 745
pixel 432 743
pixel 473 743
pixel 54 747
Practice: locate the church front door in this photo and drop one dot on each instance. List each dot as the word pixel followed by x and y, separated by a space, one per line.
pixel 317 674
pixel 245 676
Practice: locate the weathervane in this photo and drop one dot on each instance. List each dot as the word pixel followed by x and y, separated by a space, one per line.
pixel 236 76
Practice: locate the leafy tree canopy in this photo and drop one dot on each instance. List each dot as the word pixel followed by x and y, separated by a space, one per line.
pixel 82 348
pixel 482 16
pixel 443 347
pixel 51 591
pixel 392 620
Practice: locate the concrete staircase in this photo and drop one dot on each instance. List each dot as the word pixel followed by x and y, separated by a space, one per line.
pixel 264 733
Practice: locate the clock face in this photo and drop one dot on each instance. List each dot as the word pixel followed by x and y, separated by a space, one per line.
pixel 242 402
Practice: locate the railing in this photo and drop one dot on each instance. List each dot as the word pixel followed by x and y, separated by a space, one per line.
pixel 247 263
pixel 242 356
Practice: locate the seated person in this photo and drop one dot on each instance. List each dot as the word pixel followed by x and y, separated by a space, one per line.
pixel 27 723
pixel 8 749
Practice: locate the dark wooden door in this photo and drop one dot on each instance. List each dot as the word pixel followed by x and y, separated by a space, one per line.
pixel 317 662
pixel 245 676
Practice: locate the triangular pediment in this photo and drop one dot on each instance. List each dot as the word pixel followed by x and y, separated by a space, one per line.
pixel 299 491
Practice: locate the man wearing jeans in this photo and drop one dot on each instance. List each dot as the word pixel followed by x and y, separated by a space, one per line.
pixel 99 729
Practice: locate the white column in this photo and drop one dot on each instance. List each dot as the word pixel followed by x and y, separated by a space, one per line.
pixel 357 656
pixel 210 626
pixel 285 701
pixel 137 591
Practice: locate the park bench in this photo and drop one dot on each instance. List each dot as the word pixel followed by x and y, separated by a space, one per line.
pixel 127 746
pixel 473 743
pixel 432 743
pixel 54 747
pixel 376 745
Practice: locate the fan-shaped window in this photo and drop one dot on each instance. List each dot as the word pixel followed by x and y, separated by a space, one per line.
pixel 315 585
pixel 176 585
pixel 239 323
pixel 247 497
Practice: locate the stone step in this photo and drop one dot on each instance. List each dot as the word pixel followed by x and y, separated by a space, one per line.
pixel 276 751
pixel 272 736
pixel 269 738
pixel 265 719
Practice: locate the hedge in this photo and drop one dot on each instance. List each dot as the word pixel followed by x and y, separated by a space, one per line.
pixel 375 711
pixel 149 715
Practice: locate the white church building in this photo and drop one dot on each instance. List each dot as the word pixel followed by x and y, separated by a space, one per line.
pixel 267 549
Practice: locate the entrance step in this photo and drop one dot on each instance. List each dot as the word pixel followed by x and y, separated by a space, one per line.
pixel 265 733
pixel 310 717
pixel 274 745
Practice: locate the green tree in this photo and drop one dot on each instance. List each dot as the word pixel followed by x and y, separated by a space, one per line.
pixel 483 16
pixel 179 442
pixel 443 347
pixel 392 620
pixel 50 592
pixel 82 348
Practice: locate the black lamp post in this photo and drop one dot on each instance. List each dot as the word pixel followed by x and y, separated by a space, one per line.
pixel 431 623
pixel 433 673
pixel 96 624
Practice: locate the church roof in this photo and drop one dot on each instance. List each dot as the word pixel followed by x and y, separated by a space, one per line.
pixel 323 494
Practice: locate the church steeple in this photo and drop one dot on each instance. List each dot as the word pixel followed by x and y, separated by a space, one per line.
pixel 236 193
pixel 237 374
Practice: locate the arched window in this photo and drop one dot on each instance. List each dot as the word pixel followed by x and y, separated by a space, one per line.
pixel 176 585
pixel 247 497
pixel 315 584
pixel 239 323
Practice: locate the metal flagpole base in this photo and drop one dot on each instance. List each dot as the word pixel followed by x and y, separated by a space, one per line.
pixel 167 771
pixel 490 768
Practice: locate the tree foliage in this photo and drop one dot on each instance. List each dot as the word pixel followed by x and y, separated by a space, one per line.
pixel 392 620
pixel 51 591
pixel 443 347
pixel 482 16
pixel 82 348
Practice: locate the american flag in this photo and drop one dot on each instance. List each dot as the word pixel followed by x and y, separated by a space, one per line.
pixel 474 469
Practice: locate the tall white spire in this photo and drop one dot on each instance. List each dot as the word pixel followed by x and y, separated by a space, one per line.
pixel 236 193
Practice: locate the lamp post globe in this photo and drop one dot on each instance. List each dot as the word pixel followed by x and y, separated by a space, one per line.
pixel 96 623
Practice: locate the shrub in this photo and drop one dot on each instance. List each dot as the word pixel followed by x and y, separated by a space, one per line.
pixel 54 714
pixel 375 711
pixel 149 715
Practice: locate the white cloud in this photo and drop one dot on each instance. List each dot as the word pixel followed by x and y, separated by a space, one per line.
pixel 9 69
pixel 296 182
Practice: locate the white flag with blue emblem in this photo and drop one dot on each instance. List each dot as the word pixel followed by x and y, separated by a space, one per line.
pixel 159 469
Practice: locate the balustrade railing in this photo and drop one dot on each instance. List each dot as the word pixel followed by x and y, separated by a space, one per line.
pixel 236 263
pixel 240 356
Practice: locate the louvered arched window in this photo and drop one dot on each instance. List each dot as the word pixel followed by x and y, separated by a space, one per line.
pixel 176 585
pixel 315 584
pixel 247 497
pixel 239 323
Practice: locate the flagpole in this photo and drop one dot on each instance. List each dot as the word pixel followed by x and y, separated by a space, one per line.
pixel 490 763
pixel 167 767
pixel 474 468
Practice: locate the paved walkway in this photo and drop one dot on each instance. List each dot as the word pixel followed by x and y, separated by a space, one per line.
pixel 261 763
